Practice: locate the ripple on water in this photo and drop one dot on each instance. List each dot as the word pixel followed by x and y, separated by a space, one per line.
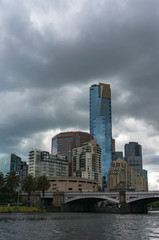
pixel 82 226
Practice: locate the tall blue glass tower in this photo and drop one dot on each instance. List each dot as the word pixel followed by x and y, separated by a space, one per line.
pixel 101 123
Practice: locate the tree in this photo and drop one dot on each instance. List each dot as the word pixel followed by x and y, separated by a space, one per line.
pixel 1 180
pixel 29 185
pixel 11 183
pixel 43 185
pixel 2 194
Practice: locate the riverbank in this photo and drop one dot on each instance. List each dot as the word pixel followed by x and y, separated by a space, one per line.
pixel 20 209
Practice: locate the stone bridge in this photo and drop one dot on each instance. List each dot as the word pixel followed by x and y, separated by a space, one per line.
pixel 133 202
pixel 130 202
pixel 131 197
pixel 111 197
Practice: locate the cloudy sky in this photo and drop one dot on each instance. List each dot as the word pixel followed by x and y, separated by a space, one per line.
pixel 52 51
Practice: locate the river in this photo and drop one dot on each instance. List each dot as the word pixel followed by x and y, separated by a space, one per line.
pixel 79 226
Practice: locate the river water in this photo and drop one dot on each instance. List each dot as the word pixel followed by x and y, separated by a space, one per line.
pixel 79 226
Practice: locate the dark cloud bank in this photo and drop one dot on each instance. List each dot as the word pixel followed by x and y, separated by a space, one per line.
pixel 51 53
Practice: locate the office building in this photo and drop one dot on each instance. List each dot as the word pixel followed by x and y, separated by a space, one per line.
pixel 133 155
pixel 87 162
pixel 23 171
pixel 144 174
pixel 13 163
pixel 34 162
pixel 18 166
pixel 43 163
pixel 64 142
pixel 101 123
pixel 5 164
pixel 120 172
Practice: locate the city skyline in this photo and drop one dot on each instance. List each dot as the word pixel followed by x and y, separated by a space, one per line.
pixel 51 52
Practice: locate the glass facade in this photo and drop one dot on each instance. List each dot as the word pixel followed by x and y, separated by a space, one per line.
pixel 100 122
pixel 133 155
pixel 12 162
pixel 15 163
pixel 5 164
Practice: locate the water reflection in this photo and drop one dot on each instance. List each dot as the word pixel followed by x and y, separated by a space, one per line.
pixel 85 226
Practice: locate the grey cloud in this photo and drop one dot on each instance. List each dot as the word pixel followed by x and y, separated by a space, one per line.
pixel 115 43
pixel 41 111
pixel 151 160
pixel 106 46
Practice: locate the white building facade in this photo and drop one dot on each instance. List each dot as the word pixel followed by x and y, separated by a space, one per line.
pixel 42 163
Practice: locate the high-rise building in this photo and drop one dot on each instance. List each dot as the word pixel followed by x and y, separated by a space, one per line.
pixel 34 162
pixel 42 163
pixel 133 155
pixel 23 172
pixel 5 164
pixel 121 172
pixel 101 123
pixel 64 142
pixel 13 163
pixel 87 162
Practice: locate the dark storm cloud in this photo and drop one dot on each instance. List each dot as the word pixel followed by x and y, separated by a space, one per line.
pixel 110 40
pixel 51 52
pixel 39 111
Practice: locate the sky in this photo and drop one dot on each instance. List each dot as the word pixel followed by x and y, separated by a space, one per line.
pixel 52 51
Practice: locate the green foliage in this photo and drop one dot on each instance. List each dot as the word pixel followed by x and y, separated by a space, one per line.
pixel 42 184
pixel 5 209
pixel 11 182
pixel 1 180
pixel 28 185
pixel 154 204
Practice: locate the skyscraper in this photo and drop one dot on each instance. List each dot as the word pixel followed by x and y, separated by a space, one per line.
pixel 101 123
pixel 133 155
pixel 64 142
pixel 15 163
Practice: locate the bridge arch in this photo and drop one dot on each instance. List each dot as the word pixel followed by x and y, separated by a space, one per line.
pixel 143 199
pixel 91 198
